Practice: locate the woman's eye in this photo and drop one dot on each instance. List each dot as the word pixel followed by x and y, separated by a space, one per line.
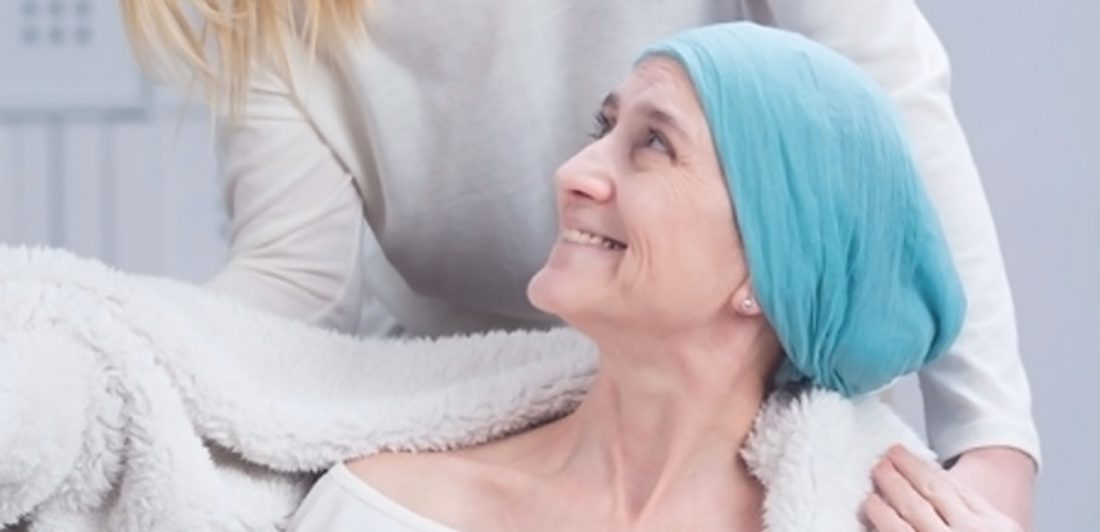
pixel 655 141
pixel 601 127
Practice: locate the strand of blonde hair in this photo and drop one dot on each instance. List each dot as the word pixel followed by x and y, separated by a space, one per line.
pixel 213 45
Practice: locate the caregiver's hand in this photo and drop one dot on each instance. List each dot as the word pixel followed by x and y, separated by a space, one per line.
pixel 915 495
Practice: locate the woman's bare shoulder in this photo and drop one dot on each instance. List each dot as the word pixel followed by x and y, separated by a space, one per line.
pixel 465 488
pixel 454 489
pixel 418 481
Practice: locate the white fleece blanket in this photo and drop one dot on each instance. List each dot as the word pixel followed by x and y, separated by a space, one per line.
pixel 140 404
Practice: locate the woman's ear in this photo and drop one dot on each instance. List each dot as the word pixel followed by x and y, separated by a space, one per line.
pixel 744 300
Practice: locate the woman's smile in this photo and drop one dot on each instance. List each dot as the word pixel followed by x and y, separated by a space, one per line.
pixel 591 239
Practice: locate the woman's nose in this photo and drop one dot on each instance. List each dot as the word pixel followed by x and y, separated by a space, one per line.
pixel 585 175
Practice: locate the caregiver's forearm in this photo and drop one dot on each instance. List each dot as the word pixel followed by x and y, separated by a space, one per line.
pixel 1005 476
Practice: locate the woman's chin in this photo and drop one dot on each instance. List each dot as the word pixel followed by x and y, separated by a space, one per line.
pixel 552 291
pixel 540 291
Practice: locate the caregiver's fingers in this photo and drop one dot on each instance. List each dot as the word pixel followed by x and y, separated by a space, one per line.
pixel 909 504
pixel 880 517
pixel 948 498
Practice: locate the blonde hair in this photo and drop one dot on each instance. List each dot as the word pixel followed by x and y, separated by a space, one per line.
pixel 213 45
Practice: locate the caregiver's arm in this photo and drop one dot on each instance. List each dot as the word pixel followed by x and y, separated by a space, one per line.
pixel 296 219
pixel 977 398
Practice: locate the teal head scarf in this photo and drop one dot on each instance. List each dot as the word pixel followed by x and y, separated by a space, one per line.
pixel 845 253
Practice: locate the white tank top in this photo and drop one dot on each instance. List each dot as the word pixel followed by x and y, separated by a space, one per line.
pixel 342 502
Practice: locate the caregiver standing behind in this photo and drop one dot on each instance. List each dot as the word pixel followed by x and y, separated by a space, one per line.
pixel 440 126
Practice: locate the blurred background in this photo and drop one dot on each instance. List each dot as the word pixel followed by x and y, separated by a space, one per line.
pixel 93 157
pixel 96 159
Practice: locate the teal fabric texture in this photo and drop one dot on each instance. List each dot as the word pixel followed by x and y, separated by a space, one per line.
pixel 845 252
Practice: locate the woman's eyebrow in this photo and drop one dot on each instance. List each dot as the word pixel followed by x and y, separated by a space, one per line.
pixel 611 101
pixel 650 110
pixel 662 117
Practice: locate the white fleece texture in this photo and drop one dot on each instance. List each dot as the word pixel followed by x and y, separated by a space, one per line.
pixel 140 404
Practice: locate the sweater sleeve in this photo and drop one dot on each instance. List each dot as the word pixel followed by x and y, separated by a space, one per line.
pixel 976 394
pixel 296 217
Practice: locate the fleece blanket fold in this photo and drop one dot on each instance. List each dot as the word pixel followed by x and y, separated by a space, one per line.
pixel 142 404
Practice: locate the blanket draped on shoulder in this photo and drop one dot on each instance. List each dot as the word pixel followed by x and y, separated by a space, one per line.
pixel 133 403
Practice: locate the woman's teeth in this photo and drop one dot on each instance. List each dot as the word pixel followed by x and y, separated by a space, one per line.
pixel 577 236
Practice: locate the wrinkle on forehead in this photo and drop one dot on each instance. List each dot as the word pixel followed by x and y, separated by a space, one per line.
pixel 664 71
pixel 661 84
pixel 659 79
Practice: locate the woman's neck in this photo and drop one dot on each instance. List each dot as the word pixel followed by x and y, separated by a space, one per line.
pixel 659 435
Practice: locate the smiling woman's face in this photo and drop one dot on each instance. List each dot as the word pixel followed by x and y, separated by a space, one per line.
pixel 647 235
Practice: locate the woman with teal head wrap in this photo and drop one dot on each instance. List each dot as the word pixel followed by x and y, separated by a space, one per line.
pixel 846 254
pixel 749 210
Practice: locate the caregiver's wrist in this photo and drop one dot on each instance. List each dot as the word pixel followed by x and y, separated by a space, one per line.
pixel 1004 476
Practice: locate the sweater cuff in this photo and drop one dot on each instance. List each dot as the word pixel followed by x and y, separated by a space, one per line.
pixel 951 443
